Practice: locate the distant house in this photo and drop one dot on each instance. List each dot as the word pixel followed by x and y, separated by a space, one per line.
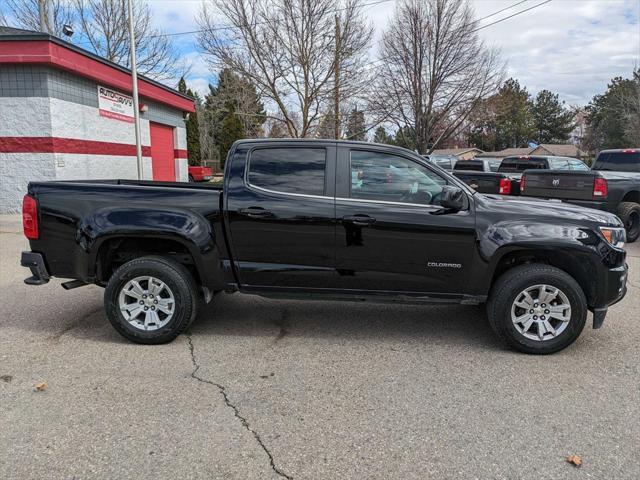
pixel 462 153
pixel 560 150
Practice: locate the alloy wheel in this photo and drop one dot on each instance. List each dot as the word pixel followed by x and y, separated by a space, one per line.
pixel 541 312
pixel 147 303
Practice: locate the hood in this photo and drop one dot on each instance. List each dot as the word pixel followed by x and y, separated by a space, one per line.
pixel 547 210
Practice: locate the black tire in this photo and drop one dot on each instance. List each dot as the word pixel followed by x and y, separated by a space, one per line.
pixel 511 284
pixel 629 213
pixel 191 178
pixel 179 281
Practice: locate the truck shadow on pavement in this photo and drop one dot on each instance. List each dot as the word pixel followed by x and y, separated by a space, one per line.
pixel 279 320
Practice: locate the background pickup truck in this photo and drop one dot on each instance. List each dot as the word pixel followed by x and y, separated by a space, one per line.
pixel 613 184
pixel 482 175
pixel 326 220
pixel 200 174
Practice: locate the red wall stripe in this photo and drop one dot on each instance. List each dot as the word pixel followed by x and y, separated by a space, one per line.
pixel 68 145
pixel 45 52
pixel 180 153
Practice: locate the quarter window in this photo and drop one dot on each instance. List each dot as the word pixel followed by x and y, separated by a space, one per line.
pixel 384 177
pixel 288 170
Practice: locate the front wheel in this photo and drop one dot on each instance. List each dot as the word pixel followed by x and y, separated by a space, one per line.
pixel 629 213
pixel 151 300
pixel 537 309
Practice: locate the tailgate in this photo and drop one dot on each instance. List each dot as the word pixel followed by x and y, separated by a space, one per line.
pixel 482 182
pixel 563 185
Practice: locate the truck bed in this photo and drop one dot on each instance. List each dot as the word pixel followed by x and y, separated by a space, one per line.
pixel 78 216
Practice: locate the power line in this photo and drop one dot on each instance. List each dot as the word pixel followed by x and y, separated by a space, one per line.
pixel 233 27
pixel 511 16
pixel 501 10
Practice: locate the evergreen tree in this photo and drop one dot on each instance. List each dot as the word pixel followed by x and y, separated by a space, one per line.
pixel 231 129
pixel 405 137
pixel 326 128
pixel 553 122
pixel 381 136
pixel 514 119
pixel 193 130
pixel 613 118
pixel 193 133
pixel 355 125
pixel 182 85
pixel 234 90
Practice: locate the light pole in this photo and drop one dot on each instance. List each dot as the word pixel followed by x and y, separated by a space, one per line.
pixel 134 79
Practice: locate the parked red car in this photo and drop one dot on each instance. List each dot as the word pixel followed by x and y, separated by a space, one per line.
pixel 200 174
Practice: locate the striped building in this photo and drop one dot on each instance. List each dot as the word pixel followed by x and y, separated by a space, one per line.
pixel 66 114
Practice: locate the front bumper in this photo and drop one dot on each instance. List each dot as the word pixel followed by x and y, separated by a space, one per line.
pixel 616 289
pixel 35 262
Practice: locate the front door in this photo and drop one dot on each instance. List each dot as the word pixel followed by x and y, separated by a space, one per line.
pixel 392 234
pixel 162 155
pixel 281 214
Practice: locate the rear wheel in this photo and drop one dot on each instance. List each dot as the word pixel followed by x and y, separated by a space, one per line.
pixel 191 179
pixel 151 300
pixel 537 309
pixel 629 213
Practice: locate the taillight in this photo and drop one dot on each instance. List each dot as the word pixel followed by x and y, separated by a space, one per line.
pixel 30 217
pixel 600 188
pixel 505 186
pixel 629 150
pixel 522 183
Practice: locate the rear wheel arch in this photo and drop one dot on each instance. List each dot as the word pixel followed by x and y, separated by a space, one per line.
pixel 633 196
pixel 118 250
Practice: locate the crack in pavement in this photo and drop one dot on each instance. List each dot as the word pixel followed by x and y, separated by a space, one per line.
pixel 73 325
pixel 236 412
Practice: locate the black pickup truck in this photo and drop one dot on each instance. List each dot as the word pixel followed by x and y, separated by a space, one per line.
pixel 612 184
pixel 482 175
pixel 326 220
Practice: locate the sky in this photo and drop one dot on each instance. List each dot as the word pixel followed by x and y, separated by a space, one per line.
pixel 571 47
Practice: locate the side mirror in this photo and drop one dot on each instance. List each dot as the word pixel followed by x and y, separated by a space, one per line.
pixel 452 198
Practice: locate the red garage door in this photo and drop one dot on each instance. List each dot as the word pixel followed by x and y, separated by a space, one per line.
pixel 162 152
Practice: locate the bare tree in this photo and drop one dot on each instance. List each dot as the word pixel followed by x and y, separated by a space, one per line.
pixel 24 14
pixel 289 50
pixel 102 27
pixel 433 69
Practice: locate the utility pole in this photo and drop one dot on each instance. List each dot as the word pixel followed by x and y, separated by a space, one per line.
pixel 134 79
pixel 44 13
pixel 336 92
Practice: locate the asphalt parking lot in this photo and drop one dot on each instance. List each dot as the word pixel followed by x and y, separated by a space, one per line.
pixel 306 390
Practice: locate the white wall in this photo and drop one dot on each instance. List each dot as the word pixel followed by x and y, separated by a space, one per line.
pixel 46 117
pixel 16 171
pixel 72 120
pixel 25 117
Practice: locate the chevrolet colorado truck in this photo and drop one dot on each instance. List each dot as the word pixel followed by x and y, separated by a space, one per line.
pixel 326 220
pixel 612 185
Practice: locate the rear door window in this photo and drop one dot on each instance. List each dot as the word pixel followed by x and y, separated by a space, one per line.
pixel 619 161
pixel 288 170
pixel 469 165
pixel 520 165
pixel 577 165
pixel 558 164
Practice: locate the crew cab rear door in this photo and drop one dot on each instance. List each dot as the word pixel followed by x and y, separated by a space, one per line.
pixel 280 214
pixel 391 232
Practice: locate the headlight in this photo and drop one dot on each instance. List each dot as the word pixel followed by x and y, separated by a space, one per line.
pixel 614 236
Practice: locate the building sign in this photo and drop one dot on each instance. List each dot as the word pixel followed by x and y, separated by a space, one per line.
pixel 116 105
